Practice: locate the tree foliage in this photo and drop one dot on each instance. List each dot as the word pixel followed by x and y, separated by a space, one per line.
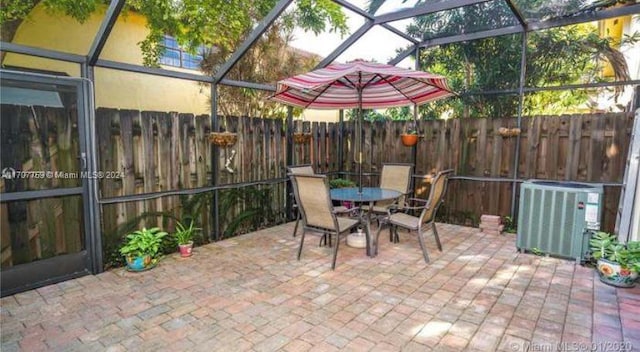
pixel 221 26
pixel 269 60
pixel 213 23
pixel 559 56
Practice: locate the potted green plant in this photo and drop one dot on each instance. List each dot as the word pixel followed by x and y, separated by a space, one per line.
pixel 410 135
pixel 184 236
pixel 342 183
pixel 142 247
pixel 618 264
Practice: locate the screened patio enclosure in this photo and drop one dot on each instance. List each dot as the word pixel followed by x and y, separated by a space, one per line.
pixel 161 163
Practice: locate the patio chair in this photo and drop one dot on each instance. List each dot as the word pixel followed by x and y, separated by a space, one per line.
pixel 428 210
pixel 318 214
pixel 398 178
pixel 305 169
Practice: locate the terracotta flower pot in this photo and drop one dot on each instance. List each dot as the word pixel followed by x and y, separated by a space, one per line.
pixel 186 249
pixel 409 140
pixel 223 139
pixel 300 138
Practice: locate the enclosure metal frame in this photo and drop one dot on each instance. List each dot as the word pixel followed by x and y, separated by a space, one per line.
pixel 92 60
pixel 89 259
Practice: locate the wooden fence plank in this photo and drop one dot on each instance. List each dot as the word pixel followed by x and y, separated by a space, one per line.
pixel 553 140
pixel 126 138
pixel 530 160
pixel 573 155
pixel 596 164
pixel 481 148
pixel 107 154
pixel 148 157
pixel 183 147
pixel 201 147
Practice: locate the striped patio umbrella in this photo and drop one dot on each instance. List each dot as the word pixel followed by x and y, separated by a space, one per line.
pixel 362 85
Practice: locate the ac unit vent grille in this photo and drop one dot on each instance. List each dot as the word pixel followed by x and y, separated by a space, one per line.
pixel 552 217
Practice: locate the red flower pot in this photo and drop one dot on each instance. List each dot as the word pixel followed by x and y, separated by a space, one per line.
pixel 186 249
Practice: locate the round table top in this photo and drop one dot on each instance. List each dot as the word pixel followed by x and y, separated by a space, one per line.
pixel 368 194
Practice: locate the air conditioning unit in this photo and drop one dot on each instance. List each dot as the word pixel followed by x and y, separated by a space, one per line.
pixel 557 218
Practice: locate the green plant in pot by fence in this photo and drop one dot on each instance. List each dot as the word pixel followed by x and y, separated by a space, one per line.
pixel 142 247
pixel 184 236
pixel 342 183
pixel 617 263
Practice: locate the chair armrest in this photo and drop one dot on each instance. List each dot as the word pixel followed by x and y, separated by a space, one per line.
pixel 414 208
pixel 345 211
pixel 417 200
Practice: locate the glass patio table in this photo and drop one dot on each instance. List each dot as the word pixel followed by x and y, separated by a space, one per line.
pixel 368 195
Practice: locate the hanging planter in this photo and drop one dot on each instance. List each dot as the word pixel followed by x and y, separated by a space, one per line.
pixel 410 135
pixel 508 132
pixel 223 139
pixel 409 140
pixel 299 137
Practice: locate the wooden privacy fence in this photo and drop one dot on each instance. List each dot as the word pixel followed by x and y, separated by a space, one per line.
pixel 168 151
pixel 157 151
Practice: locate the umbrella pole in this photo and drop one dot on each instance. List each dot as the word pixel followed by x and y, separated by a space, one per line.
pixel 414 148
pixel 359 139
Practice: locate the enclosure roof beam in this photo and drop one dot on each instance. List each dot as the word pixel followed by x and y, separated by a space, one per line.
pixel 430 7
pixel 594 16
pixel 401 56
pixel 354 8
pixel 400 33
pixel 253 37
pixel 243 84
pixel 369 16
pixel 553 88
pixel 180 75
pixel 583 86
pixel 345 44
pixel 152 71
pixel 516 12
pixel 472 36
pixel 105 29
pixel 40 52
pixel 585 17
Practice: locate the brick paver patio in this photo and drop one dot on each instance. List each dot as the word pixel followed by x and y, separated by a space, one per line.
pixel 251 294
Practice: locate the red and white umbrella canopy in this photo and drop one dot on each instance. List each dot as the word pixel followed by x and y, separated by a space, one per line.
pixel 340 86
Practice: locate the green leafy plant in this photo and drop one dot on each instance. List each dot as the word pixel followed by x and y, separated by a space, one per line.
pixel 184 234
pixel 537 251
pixel 607 246
pixel 143 242
pixel 341 183
pixel 410 128
pixel 509 225
pixel 246 209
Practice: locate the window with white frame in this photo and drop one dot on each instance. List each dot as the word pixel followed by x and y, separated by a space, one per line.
pixel 175 56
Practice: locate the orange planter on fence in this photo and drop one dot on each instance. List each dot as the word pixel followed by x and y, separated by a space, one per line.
pixel 409 140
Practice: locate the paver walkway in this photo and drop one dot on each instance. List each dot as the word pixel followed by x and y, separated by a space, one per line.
pixel 251 294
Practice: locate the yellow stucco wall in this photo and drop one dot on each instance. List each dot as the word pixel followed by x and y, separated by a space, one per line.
pixel 115 89
pixel 612 28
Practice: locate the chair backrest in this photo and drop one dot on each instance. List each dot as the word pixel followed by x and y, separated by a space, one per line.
pixel 436 195
pixel 305 169
pixel 398 178
pixel 313 198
